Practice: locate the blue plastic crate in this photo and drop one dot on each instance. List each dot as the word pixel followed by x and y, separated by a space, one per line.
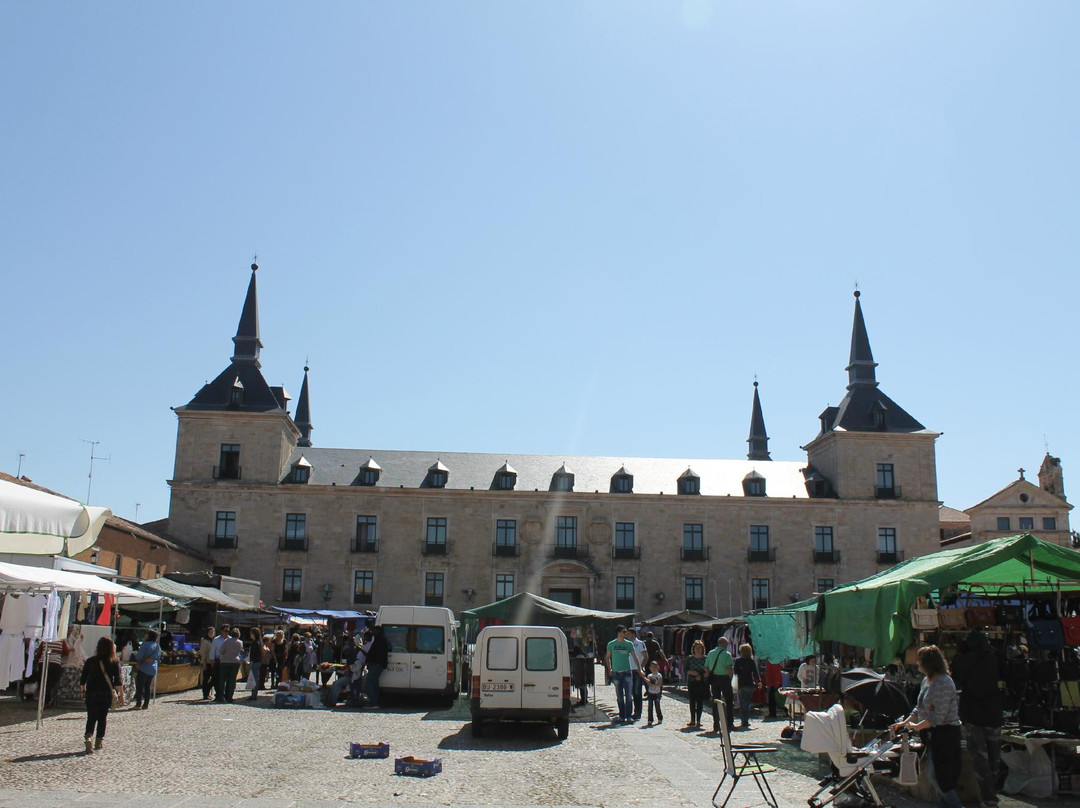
pixel 417 767
pixel 369 750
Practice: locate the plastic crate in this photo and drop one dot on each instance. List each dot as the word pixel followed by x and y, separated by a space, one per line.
pixel 369 750
pixel 417 767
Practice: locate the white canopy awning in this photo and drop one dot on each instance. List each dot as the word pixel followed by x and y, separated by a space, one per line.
pixel 19 578
pixel 37 523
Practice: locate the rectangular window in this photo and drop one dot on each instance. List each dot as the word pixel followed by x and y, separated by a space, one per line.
pixel 825 584
pixel 436 530
pixel 759 538
pixel 624 592
pixel 1049 523
pixel 296 526
pixel 363 586
pixel 823 539
pixel 290 585
pixel 429 640
pixel 759 593
pixel 502 653
pixel 504 586
pixel 505 536
pixel 1003 523
pixel 566 531
pixel 229 462
pixel 886 540
pixel 366 529
pixel 885 479
pixel 624 535
pixel 693 536
pixel 1027 522
pixel 225 525
pixel 694 591
pixel 433 588
pixel 138 568
pixel 540 654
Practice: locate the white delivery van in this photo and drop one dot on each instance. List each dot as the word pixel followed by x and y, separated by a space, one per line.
pixel 423 644
pixel 521 673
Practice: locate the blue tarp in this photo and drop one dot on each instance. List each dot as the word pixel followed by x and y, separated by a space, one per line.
pixel 333 614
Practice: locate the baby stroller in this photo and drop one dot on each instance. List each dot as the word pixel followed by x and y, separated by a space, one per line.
pixel 852 767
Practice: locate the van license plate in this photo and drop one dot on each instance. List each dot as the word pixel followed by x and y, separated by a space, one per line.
pixel 502 687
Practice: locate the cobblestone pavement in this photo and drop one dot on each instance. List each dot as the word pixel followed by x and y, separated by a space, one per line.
pixel 183 751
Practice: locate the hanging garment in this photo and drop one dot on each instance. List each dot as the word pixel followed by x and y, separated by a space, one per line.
pixel 52 616
pixel 106 611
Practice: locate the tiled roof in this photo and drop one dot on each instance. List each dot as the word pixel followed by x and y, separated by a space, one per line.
pixel 947 514
pixel 402 469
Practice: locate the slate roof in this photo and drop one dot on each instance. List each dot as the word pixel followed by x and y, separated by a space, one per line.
pixel 534 472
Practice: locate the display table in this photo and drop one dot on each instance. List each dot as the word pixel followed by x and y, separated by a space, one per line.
pixel 178 678
pixel 68 694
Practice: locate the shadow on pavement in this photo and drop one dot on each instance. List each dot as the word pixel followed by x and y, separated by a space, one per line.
pixel 516 736
pixel 42 758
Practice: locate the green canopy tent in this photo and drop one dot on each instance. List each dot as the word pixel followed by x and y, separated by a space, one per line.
pixel 783 632
pixel 876 611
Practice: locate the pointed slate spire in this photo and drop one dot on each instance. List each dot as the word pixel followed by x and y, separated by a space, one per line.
pixel 247 343
pixel 861 363
pixel 303 413
pixel 758 440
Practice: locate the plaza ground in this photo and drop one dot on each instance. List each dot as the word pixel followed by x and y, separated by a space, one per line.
pixel 184 751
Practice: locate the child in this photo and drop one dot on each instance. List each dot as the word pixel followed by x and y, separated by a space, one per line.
pixel 654 686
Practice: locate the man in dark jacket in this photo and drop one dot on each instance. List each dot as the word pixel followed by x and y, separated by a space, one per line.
pixel 378 657
pixel 976 672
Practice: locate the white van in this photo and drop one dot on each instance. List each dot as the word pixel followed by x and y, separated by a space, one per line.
pixel 521 673
pixel 423 643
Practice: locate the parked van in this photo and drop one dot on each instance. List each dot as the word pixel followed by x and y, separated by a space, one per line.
pixel 423 644
pixel 521 673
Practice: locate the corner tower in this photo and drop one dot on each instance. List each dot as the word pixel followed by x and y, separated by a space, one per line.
pixel 869 447
pixel 236 429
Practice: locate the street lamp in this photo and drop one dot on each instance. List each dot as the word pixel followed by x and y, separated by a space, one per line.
pixel 327 592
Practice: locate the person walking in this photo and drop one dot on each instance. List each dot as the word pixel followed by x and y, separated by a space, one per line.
pixel 937 710
pixel 215 659
pixel 746 674
pixel 697 683
pixel 205 644
pixel 255 658
pixel 229 665
pixel 99 678
pixel 654 690
pixel 719 665
pixel 279 648
pixel 146 667
pixel 378 657
pixel 637 683
pixel 976 672
pixel 620 669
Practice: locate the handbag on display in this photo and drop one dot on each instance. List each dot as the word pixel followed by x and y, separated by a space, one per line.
pixel 1044 632
pixel 923 615
pixel 955 617
pixel 980 616
pixel 1070 630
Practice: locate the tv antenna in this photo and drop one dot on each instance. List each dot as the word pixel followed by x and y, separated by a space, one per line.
pixel 93 457
pixel 23 454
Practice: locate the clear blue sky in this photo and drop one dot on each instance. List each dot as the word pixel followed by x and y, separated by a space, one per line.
pixel 542 227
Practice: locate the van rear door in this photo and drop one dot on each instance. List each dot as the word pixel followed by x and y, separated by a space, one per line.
pixel 399 662
pixel 500 675
pixel 541 683
pixel 428 658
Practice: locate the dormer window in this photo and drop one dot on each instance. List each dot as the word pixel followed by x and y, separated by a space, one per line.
pixel 505 478
pixel 689 482
pixel 236 393
pixel 877 414
pixel 438 474
pixel 369 472
pixel 622 482
pixel 753 485
pixel 301 472
pixel 563 479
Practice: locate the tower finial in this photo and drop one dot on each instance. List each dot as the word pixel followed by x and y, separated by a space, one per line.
pixel 758 440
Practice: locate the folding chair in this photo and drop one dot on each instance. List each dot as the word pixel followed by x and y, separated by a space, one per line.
pixel 740 760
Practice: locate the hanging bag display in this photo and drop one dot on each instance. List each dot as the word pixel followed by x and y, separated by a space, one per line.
pixel 1009 614
pixel 1070 630
pixel 924 616
pixel 979 616
pixel 1045 631
pixel 954 617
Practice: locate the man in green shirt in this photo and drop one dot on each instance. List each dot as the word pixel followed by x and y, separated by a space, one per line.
pixel 718 665
pixel 620 652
